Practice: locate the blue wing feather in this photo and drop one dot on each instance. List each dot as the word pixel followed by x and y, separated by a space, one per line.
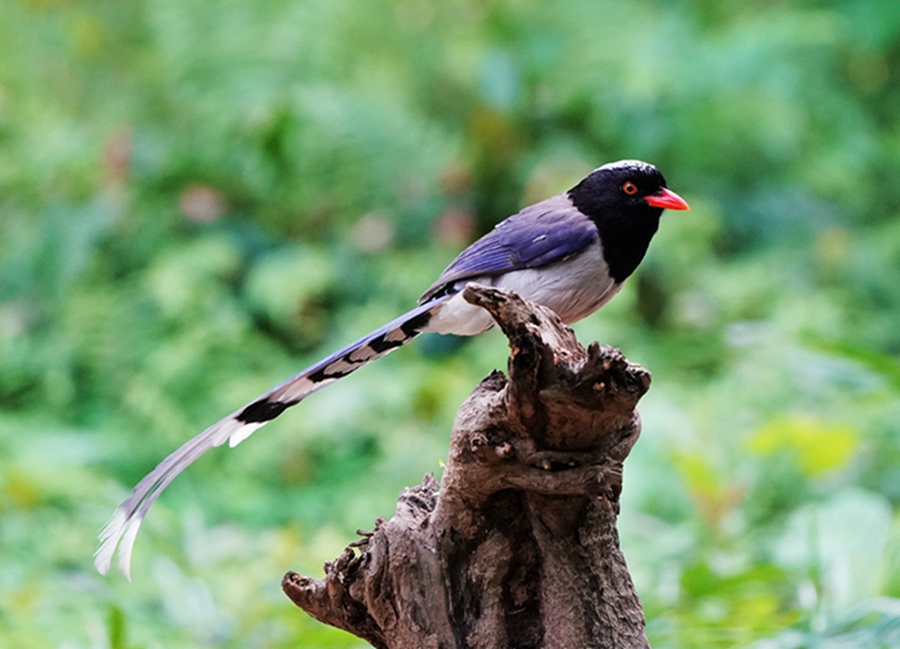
pixel 538 235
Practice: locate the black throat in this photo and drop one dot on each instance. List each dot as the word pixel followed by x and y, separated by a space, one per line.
pixel 625 230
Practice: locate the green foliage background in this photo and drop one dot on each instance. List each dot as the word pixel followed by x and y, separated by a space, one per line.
pixel 197 199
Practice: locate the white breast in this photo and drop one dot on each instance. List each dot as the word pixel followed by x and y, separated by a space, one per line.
pixel 574 288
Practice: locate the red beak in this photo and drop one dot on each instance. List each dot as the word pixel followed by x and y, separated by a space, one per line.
pixel 667 199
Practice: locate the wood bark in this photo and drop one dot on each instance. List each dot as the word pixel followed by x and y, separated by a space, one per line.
pixel 517 546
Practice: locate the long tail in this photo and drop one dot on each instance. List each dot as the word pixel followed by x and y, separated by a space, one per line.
pixel 239 425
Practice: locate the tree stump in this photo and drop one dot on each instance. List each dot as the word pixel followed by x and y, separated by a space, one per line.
pixel 517 546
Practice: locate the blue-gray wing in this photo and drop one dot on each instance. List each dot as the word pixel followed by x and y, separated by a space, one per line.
pixel 540 234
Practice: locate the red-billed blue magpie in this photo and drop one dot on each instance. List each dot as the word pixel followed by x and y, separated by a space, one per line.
pixel 570 252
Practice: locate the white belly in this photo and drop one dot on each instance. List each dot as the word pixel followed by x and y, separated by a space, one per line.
pixel 573 288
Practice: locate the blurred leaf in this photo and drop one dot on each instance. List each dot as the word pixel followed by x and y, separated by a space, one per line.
pixel 825 539
pixel 117 628
pixel 289 289
pixel 817 446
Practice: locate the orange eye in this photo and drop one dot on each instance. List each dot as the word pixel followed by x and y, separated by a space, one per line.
pixel 630 188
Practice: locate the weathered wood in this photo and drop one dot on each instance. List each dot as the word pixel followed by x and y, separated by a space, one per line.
pixel 517 547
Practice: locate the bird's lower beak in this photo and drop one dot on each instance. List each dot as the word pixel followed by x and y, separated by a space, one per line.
pixel 667 199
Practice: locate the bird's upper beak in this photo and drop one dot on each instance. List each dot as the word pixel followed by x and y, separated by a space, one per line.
pixel 667 199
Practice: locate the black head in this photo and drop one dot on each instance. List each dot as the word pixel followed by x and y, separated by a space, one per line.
pixel 625 200
pixel 628 188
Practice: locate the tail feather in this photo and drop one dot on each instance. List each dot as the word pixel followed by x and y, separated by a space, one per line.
pixel 236 427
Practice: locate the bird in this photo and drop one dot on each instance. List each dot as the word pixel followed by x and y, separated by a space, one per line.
pixel 571 252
